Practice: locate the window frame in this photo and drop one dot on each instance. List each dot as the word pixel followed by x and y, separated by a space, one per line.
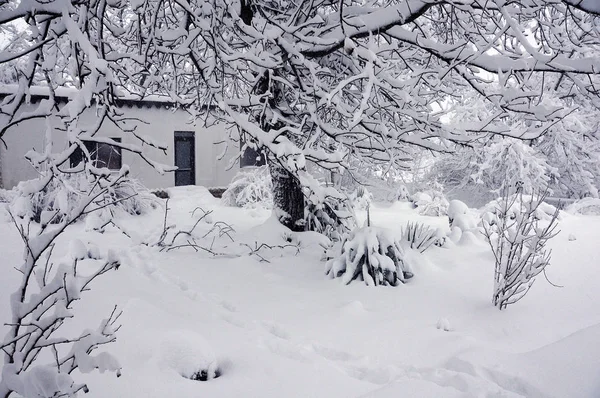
pixel 94 148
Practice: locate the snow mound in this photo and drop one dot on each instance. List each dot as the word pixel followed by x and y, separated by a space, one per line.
pixel 45 381
pixel 188 354
pixel 456 208
pixel 443 324
pixel 193 193
pixel 278 240
pixel 586 207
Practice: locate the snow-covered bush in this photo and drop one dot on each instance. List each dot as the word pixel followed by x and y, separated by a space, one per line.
pixel 361 198
pixel 517 201
pixel 132 197
pixel 7 196
pixel 402 194
pixel 59 197
pixel 419 236
pixel 44 299
pixel 456 208
pixel 329 213
pixel 462 221
pixel 432 203
pixel 518 238
pixel 370 254
pixel 249 188
pixel 586 206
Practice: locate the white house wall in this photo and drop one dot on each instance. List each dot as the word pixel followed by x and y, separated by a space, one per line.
pixel 161 123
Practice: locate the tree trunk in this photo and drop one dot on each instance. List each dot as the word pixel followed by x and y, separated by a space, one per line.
pixel 288 199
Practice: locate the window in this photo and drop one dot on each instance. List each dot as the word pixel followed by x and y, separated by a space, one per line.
pixel 103 155
pixel 251 156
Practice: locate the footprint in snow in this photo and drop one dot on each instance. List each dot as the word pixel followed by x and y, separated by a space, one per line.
pixel 228 306
pixel 277 330
pixel 332 354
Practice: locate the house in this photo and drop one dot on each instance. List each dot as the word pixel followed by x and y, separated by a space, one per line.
pixel 195 150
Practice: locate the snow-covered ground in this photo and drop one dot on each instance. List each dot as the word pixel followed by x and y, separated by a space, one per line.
pixel 281 329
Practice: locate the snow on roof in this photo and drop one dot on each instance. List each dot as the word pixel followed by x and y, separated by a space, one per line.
pixel 69 92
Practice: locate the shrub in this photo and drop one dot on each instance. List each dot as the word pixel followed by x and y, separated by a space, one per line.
pixel 518 237
pixel 7 196
pixel 59 197
pixel 330 214
pixel 456 208
pixel 361 198
pixel 586 206
pixel 432 202
pixel 249 188
pixel 370 254
pixel 419 236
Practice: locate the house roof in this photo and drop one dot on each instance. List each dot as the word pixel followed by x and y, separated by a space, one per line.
pixel 37 93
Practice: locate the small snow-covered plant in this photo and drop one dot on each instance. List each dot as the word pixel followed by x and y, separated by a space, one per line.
pixel 432 201
pixel 132 197
pixel 361 198
pixel 6 196
pixel 250 187
pixel 370 254
pixel 586 206
pixel 518 238
pixel 419 236
pixel 456 209
pixel 402 193
pixel 329 213
pixel 428 205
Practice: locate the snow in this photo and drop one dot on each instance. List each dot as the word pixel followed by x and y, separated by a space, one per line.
pixel 280 328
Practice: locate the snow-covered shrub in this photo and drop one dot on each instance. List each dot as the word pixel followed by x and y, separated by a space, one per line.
pixel 543 210
pixel 59 197
pixel 370 254
pixel 586 206
pixel 132 197
pixel 518 238
pixel 419 236
pixel 402 194
pixel 250 187
pixel 43 302
pixel 49 286
pixel 456 208
pixel 7 196
pixel 462 221
pixel 430 204
pixel 329 213
pixel 361 198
